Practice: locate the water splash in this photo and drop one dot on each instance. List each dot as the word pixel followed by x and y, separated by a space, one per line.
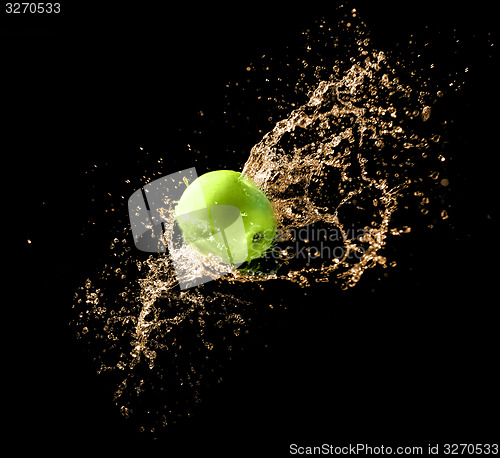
pixel 351 160
pixel 319 161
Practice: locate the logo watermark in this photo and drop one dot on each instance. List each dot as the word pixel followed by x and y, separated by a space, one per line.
pixel 153 220
pixel 154 229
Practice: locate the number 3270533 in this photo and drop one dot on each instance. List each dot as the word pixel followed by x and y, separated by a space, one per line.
pixel 33 8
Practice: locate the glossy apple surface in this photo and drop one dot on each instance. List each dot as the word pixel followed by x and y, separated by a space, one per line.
pixel 224 214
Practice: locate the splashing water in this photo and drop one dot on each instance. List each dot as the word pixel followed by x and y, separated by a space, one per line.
pixel 325 149
pixel 341 170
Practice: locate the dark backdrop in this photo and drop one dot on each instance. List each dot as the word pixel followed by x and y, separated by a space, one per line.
pixel 410 363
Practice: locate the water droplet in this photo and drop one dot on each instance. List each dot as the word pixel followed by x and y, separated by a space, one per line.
pixel 426 113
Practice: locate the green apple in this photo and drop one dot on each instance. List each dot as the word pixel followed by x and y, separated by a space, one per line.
pixel 224 214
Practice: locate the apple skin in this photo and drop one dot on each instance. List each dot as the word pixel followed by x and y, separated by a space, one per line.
pixel 211 210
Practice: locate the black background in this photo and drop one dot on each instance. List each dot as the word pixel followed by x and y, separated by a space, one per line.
pixel 410 359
